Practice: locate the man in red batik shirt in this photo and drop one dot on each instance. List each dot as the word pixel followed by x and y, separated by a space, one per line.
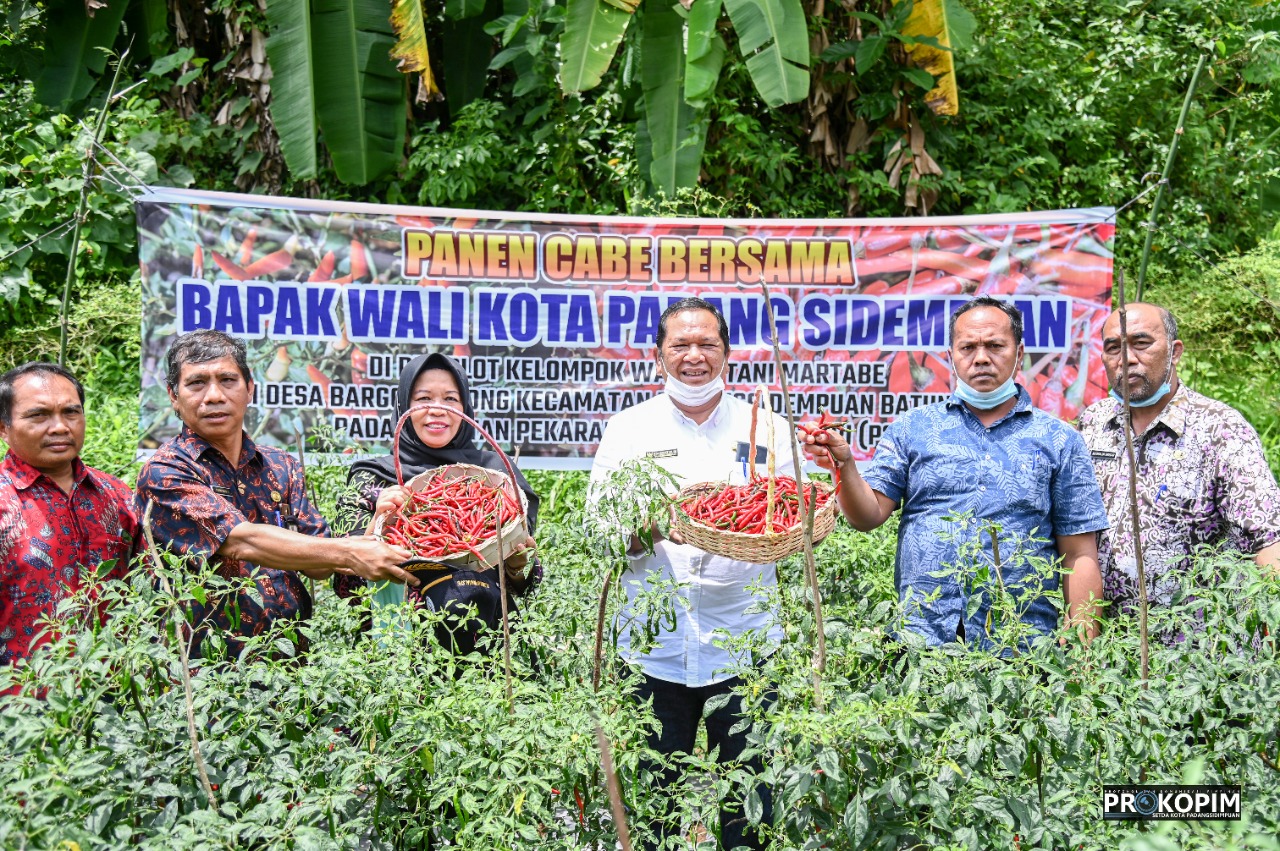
pixel 59 519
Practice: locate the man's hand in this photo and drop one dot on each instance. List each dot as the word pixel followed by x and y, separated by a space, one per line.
pixel 1082 583
pixel 375 560
pixel 828 449
pixel 864 508
pixel 284 549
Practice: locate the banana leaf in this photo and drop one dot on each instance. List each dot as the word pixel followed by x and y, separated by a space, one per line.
pixel 362 114
pixel 949 26
pixel 411 47
pixel 75 49
pixel 592 31
pixel 674 132
pixel 774 39
pixel 458 10
pixel 464 63
pixel 293 99
pixel 706 52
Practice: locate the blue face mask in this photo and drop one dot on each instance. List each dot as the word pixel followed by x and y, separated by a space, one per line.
pixel 1164 390
pixel 985 401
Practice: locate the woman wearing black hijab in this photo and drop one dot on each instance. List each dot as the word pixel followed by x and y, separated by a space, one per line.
pixel 434 438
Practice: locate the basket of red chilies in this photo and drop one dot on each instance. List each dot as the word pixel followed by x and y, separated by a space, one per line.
pixel 453 516
pixel 746 523
pixel 761 521
pixel 458 515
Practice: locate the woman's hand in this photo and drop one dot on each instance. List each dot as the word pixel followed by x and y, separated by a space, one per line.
pixel 390 500
pixel 518 556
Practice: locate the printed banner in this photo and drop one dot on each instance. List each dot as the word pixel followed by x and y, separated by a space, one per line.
pixel 554 317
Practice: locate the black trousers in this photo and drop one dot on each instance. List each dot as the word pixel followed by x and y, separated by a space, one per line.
pixel 678 709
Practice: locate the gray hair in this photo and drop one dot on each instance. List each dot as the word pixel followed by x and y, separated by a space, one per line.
pixel 202 347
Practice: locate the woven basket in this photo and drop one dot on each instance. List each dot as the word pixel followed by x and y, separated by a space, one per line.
pixel 511 535
pixel 757 549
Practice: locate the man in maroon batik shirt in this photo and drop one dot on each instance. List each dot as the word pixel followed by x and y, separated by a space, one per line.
pixel 59 519
pixel 220 497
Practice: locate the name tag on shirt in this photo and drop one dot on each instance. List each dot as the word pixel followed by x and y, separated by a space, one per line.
pixel 221 491
pixel 662 453
pixel 1102 454
pixel 762 453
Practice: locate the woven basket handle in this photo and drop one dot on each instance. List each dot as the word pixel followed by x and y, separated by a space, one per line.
pixel 506 462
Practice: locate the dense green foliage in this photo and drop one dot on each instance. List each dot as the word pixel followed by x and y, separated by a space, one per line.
pixel 1061 105
pixel 374 742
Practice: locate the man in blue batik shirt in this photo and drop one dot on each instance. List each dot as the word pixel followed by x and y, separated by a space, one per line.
pixel 984 459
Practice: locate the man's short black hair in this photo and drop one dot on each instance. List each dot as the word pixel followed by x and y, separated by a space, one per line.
pixel 11 377
pixel 202 347
pixel 1008 308
pixel 692 304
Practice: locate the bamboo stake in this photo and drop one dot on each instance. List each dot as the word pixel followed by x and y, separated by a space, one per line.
pixel 615 790
pixel 1144 649
pixel 187 693
pixel 598 652
pixel 1168 167
pixel 307 485
pixel 81 215
pixel 502 592
pixel 810 566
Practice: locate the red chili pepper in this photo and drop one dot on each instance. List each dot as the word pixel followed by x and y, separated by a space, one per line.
pixel 450 516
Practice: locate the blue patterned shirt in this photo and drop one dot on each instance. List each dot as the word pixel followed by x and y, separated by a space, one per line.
pixel 1029 473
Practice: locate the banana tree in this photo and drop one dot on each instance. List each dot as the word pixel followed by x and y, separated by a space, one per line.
pixel 678 79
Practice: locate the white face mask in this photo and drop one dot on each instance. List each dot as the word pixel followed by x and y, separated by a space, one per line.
pixel 693 397
pixel 688 394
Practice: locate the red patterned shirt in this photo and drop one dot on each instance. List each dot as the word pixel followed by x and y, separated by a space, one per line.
pixel 48 538
pixel 199 497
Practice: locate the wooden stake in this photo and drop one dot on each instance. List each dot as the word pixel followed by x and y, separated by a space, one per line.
pixel 810 565
pixel 1144 648
pixel 187 693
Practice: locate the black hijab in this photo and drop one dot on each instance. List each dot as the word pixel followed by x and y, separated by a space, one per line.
pixel 417 457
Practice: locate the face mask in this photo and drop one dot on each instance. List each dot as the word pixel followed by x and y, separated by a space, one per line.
pixel 693 397
pixel 988 400
pixel 1160 393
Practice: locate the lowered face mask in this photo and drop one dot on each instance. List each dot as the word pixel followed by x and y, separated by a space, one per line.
pixel 687 394
pixel 1164 390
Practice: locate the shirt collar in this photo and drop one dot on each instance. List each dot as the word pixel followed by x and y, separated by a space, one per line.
pixel 1173 417
pixel 23 475
pixel 713 418
pixel 194 446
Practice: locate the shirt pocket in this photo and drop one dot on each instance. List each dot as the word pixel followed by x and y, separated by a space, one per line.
pixel 1030 483
pixel 1182 493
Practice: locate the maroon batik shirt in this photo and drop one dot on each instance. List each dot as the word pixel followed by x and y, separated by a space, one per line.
pixel 50 540
pixel 1202 480
pixel 198 497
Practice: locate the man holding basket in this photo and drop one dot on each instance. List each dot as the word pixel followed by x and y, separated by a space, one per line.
pixel 698 433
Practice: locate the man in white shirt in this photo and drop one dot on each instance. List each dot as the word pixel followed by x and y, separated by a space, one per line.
pixel 699 433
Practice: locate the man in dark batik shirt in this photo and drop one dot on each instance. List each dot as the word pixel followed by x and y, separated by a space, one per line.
pixel 59 519
pixel 250 515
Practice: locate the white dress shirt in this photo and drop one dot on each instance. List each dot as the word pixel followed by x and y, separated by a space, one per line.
pixel 713 593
